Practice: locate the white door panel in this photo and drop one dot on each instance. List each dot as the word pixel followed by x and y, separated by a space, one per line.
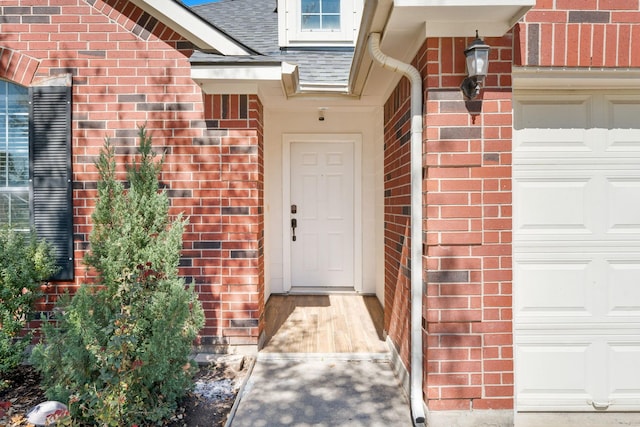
pixel 577 251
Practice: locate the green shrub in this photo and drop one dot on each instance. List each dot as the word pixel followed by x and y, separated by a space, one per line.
pixel 118 353
pixel 24 264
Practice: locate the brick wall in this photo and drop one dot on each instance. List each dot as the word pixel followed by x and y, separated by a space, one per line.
pixel 130 70
pixel 397 216
pixel 468 230
pixel 467 246
pixel 580 33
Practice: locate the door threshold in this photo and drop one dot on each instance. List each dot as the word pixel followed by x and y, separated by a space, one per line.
pixel 311 290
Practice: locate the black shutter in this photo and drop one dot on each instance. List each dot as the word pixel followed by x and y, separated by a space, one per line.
pixel 51 179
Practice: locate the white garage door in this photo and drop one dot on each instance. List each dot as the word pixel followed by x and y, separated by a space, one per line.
pixel 577 251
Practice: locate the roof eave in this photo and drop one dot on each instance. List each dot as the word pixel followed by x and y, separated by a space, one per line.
pixel 242 78
pixel 188 24
pixel 405 24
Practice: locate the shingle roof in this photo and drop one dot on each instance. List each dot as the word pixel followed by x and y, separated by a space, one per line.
pixel 254 23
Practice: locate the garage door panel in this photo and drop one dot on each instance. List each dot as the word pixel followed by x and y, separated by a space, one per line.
pixel 623 135
pixel 623 195
pixel 598 203
pixel 562 278
pixel 569 196
pixel 572 371
pixel 556 373
pixel 624 380
pixel 623 294
pixel 573 285
pixel 568 112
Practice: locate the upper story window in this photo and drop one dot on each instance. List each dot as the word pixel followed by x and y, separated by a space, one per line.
pixel 320 15
pixel 322 23
pixel 14 155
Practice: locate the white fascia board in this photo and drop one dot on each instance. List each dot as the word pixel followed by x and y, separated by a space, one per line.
pixel 214 87
pixel 328 88
pixel 239 79
pixel 195 29
pixel 459 18
pixel 238 73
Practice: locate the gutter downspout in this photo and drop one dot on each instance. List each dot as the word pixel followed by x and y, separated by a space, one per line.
pixel 416 383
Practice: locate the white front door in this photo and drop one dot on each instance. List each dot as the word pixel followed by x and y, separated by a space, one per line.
pixel 322 253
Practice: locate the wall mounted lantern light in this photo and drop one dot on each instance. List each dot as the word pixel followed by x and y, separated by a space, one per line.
pixel 477 57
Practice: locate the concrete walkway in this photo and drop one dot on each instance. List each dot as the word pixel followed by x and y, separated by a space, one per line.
pixel 322 390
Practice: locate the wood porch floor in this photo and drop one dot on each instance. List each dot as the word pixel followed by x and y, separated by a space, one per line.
pixel 335 323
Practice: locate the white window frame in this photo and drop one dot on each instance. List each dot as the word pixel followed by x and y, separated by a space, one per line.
pixel 291 33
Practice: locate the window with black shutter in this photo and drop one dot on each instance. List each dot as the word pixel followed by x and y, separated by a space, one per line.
pixel 35 164
pixel 50 171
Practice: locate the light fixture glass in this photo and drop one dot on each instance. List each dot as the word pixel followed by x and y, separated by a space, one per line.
pixel 477 60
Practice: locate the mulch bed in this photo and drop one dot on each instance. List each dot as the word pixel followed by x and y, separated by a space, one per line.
pixel 209 404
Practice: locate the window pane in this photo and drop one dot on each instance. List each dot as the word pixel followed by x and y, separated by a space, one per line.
pixel 14 155
pixel 331 6
pixel 331 22
pixel 310 6
pixel 320 14
pixel 14 209
pixel 310 22
pixel 18 98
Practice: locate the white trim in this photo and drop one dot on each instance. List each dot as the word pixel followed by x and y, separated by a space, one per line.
pixel 287 140
pixel 290 32
pixel 189 25
pixel 540 78
pixel 235 79
pixel 234 72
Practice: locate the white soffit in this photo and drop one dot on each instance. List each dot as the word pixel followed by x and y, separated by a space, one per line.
pixel 457 18
pixel 186 23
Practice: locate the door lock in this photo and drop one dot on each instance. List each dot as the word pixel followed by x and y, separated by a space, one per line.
pixel 294 224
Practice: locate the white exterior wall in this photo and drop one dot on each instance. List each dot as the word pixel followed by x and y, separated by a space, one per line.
pixel 338 120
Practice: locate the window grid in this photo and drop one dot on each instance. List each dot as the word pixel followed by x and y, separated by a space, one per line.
pixel 14 156
pixel 320 14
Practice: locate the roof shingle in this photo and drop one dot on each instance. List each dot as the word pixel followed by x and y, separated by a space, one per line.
pixel 255 24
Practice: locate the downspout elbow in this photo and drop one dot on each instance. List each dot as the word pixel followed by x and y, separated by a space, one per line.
pixel 416 374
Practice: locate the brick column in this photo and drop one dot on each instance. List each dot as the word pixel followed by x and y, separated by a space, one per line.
pixel 230 226
pixel 467 244
pixel 468 309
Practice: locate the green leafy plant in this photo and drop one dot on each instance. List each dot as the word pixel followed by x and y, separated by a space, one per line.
pixel 118 351
pixel 24 263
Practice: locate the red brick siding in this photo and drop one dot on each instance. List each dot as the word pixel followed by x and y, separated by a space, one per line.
pixel 468 230
pixel 397 216
pixel 130 70
pixel 17 67
pixel 580 33
pixel 467 193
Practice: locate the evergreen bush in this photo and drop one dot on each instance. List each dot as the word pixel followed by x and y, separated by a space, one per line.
pixel 118 352
pixel 24 263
